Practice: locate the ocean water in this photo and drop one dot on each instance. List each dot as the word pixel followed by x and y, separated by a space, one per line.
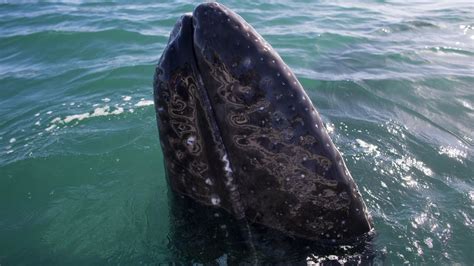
pixel 81 172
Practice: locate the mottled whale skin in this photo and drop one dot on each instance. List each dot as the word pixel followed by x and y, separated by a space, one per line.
pixel 239 132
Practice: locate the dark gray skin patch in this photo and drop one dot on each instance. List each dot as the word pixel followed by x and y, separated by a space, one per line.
pixel 231 111
pixel 190 139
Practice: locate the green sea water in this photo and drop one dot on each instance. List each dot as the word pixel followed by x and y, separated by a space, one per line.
pixel 81 172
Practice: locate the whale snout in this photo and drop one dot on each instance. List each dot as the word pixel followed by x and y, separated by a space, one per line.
pixel 239 132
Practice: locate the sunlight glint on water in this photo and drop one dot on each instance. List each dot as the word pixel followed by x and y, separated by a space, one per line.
pixel 81 173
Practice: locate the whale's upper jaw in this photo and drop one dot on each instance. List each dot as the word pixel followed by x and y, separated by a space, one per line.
pixel 258 146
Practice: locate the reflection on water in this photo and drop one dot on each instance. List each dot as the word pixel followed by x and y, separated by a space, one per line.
pixel 81 174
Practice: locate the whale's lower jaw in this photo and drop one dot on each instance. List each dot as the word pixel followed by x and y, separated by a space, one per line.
pixel 239 132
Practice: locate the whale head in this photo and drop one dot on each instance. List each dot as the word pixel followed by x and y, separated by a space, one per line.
pixel 238 131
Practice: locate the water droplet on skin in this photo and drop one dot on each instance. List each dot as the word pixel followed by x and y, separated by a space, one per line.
pixel 278 74
pixel 273 61
pixel 191 140
pixel 215 200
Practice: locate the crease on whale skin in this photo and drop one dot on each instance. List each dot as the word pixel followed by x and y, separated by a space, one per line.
pixel 285 173
pixel 189 74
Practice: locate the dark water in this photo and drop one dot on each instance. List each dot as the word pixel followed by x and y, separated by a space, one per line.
pixel 81 172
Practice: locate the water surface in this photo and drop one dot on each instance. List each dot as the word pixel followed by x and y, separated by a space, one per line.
pixel 81 172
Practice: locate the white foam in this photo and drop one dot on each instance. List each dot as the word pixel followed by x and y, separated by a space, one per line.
pixel 51 127
pixel 142 103
pixel 12 140
pixel 78 117
pixel 99 111
pixel 56 120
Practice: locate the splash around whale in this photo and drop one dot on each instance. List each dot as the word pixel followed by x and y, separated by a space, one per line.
pixel 238 132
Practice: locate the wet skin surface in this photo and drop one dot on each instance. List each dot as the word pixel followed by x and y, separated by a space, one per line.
pixel 239 132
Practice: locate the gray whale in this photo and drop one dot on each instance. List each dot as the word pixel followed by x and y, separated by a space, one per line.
pixel 238 132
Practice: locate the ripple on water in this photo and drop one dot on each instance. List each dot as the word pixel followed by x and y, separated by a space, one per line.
pixel 79 154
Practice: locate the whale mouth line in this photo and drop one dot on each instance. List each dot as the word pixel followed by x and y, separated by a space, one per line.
pixel 239 132
pixel 237 209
